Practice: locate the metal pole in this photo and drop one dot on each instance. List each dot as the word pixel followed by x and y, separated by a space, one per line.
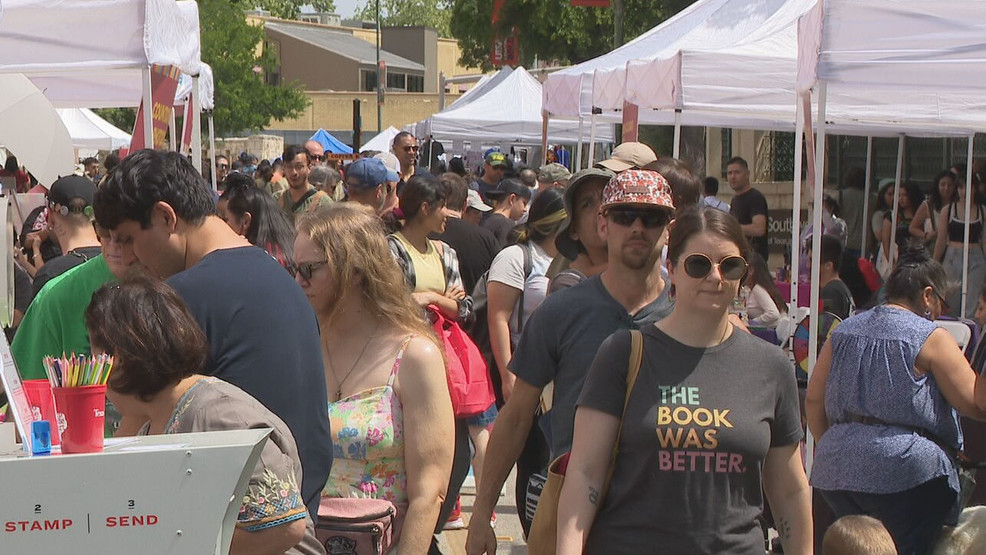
pixel 212 151
pixel 441 91
pixel 893 216
pixel 676 149
pixel 866 196
pixel 578 151
pixel 969 192
pixel 799 155
pixel 196 124
pixel 592 139
pixel 379 75
pixel 172 125
pixel 148 110
pixel 816 245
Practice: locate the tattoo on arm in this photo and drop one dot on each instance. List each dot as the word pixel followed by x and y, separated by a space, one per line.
pixel 783 529
pixel 593 495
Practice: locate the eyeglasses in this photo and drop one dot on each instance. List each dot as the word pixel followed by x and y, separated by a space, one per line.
pixel 944 304
pixel 316 157
pixel 411 148
pixel 223 166
pixel 305 270
pixel 698 266
pixel 650 218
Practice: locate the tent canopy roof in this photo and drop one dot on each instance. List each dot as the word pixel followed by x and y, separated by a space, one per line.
pixel 90 131
pixel 331 144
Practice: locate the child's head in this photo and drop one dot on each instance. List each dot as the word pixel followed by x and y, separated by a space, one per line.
pixel 858 535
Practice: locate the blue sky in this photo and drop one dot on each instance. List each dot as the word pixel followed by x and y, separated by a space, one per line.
pixel 345 8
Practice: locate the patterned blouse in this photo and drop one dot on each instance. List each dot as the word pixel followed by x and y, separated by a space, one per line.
pixel 273 496
pixel 368 443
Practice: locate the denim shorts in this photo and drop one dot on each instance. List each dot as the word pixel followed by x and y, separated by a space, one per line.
pixel 484 419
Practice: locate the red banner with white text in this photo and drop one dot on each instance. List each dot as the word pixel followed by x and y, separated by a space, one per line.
pixel 164 83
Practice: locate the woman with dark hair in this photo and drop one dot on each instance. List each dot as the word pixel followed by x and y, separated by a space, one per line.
pixel 254 214
pixel 12 169
pixel 910 199
pixel 884 401
pixel 389 407
pixel 884 204
pixel 925 223
pixel 160 354
pixel 431 268
pixel 764 305
pixel 950 245
pixel 725 406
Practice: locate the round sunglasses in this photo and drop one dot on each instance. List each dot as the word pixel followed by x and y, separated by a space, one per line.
pixel 698 266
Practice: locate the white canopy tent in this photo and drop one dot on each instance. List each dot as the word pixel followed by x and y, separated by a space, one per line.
pixel 876 50
pixel 509 112
pixel 382 141
pixel 42 41
pixel 89 131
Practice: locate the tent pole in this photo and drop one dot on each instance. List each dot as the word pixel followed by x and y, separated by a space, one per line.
pixel 676 149
pixel 816 243
pixel 148 109
pixel 212 151
pixel 196 117
pixel 866 196
pixel 578 150
pixel 592 139
pixel 172 126
pixel 799 155
pixel 965 239
pixel 544 136
pixel 893 215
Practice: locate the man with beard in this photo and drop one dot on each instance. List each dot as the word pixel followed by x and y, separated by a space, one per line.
pixel 561 338
pixel 300 196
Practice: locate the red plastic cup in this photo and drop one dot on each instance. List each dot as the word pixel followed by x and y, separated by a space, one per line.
pixel 42 403
pixel 81 412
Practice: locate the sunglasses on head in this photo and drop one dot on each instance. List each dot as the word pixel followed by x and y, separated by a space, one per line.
pixel 732 267
pixel 305 270
pixel 944 304
pixel 650 218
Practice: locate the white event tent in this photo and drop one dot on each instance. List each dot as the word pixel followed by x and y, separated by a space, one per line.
pixel 508 112
pixel 43 41
pixel 381 141
pixel 89 131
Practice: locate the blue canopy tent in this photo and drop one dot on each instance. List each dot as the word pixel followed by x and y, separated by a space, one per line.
pixel 331 144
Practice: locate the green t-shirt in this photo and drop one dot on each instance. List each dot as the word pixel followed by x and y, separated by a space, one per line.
pixel 55 321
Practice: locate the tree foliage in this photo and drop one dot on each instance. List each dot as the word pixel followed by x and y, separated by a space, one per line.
pixel 289 9
pixel 551 30
pixel 244 102
pixel 122 118
pixel 436 14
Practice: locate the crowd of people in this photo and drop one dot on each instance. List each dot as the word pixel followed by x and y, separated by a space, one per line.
pixel 310 299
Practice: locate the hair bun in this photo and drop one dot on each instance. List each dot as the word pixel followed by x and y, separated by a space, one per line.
pixel 914 253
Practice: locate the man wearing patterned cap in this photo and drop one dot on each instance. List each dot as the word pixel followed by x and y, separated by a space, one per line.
pixel 70 222
pixel 562 336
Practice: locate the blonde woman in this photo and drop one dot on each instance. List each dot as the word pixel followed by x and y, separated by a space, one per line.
pixel 389 407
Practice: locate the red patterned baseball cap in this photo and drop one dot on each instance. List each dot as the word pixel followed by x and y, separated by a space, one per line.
pixel 638 187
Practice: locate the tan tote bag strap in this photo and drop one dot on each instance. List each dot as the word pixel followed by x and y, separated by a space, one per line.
pixel 633 369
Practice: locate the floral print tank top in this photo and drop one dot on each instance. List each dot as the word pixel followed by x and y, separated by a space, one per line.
pixel 368 443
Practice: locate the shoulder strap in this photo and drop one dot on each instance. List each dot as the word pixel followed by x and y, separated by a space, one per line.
pixel 633 370
pixel 528 268
pixel 305 197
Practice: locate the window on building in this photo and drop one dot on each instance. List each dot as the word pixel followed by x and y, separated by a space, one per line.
pixel 396 81
pixel 273 76
pixel 415 83
pixel 368 80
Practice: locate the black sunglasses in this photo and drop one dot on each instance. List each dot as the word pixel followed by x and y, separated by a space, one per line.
pixel 411 149
pixel 650 218
pixel 316 157
pixel 305 270
pixel 698 266
pixel 944 304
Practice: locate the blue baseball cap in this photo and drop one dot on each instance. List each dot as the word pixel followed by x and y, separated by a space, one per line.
pixel 368 173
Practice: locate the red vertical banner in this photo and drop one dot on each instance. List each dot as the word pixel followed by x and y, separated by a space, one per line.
pixel 188 120
pixel 164 83
pixel 630 116
pixel 506 50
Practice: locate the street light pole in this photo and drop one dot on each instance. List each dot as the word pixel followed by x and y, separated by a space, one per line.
pixel 379 76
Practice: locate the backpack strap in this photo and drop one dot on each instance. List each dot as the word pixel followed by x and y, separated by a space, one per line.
pixel 305 197
pixel 528 268
pixel 633 370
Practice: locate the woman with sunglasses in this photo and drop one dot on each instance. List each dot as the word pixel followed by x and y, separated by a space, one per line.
pixel 711 421
pixel 884 401
pixel 253 213
pixel 389 407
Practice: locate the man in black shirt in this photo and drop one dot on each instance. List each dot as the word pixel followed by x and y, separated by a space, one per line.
pixel 493 170
pixel 834 293
pixel 749 206
pixel 262 331
pixel 510 200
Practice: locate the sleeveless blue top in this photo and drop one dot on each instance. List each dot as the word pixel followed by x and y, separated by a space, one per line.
pixel 873 376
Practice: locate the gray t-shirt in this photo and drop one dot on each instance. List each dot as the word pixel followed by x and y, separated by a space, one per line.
pixel 697 428
pixel 562 337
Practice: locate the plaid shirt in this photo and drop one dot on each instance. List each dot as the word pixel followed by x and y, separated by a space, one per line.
pixel 450 263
